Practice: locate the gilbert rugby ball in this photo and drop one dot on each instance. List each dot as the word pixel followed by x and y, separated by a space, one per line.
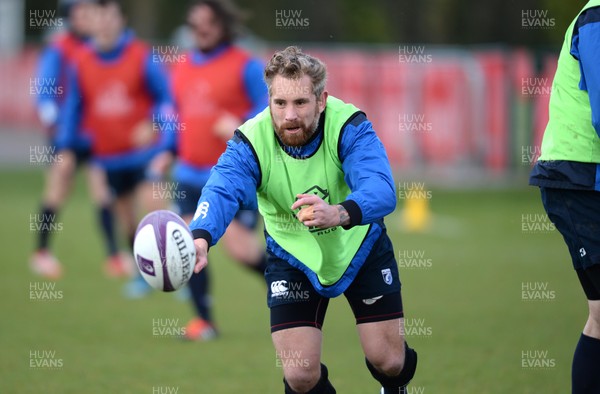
pixel 164 250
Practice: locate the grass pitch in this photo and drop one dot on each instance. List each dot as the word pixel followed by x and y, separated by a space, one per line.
pixel 491 302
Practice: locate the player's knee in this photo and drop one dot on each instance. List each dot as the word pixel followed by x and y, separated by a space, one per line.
pixel 594 317
pixel 302 378
pixel 66 164
pixel 234 243
pixel 392 372
pixel 236 253
pixel 594 320
pixel 243 251
pixel 388 363
pixel 388 360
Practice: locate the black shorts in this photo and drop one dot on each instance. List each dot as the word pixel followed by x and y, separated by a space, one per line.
pixel 374 295
pixel 82 153
pixel 576 216
pixel 186 202
pixel 82 156
pixel 125 181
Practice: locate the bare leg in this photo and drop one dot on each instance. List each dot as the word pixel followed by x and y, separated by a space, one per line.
pixel 242 244
pixel 298 351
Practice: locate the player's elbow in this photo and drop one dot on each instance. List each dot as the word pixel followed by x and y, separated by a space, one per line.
pixel 390 204
pixel 387 200
pixel 379 202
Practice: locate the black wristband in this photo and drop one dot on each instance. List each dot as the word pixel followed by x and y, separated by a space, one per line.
pixel 354 213
pixel 199 233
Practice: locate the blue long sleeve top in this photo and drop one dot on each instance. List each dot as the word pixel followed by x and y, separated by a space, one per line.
pixel 233 182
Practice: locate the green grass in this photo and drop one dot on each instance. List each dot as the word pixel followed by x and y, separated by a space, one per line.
pixel 470 300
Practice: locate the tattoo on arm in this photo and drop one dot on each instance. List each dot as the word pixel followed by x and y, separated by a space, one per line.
pixel 344 217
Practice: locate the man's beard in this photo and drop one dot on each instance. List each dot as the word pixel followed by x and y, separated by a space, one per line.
pixel 299 138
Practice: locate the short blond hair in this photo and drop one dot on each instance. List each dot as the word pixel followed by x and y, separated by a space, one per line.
pixel 293 63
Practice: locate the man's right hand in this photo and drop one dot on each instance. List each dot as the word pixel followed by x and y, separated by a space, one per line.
pixel 160 164
pixel 226 125
pixel 143 134
pixel 201 254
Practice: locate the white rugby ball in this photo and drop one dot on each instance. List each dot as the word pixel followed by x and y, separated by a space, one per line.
pixel 164 250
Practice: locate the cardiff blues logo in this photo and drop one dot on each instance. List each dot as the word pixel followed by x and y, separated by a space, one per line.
pixel 323 194
pixel 387 276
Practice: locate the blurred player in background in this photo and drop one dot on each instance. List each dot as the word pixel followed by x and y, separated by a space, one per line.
pixel 568 174
pixel 53 65
pixel 311 151
pixel 115 88
pixel 215 90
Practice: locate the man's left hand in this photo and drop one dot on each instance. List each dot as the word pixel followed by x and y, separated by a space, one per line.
pixel 322 216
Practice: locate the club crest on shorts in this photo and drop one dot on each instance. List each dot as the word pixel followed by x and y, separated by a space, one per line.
pixel 387 276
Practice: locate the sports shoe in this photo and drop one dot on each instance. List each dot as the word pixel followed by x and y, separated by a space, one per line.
pixel 183 295
pixel 43 263
pixel 199 330
pixel 401 390
pixel 136 288
pixel 118 266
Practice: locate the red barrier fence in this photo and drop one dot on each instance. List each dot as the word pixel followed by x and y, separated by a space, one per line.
pixel 433 108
